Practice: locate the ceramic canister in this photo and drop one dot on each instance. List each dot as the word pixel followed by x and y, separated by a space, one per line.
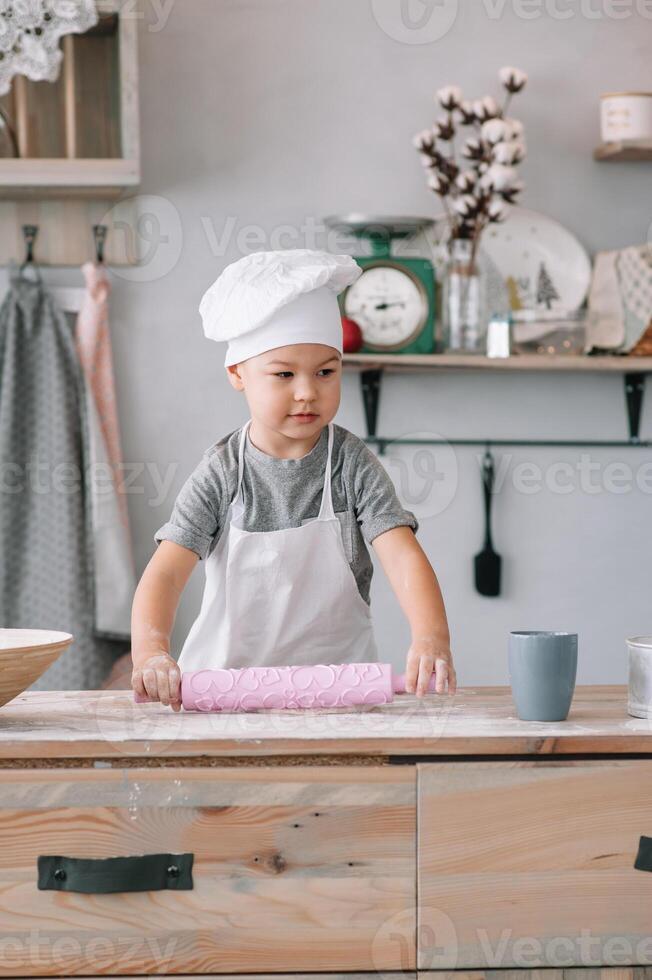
pixel 639 701
pixel 625 116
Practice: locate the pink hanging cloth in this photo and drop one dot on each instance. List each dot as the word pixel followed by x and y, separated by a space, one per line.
pixel 115 579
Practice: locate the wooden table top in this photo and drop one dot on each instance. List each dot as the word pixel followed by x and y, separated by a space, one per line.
pixel 87 725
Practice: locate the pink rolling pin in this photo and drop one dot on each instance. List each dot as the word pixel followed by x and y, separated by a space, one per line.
pixel 314 686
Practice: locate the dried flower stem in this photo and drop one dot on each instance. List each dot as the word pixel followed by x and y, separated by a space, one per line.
pixel 471 202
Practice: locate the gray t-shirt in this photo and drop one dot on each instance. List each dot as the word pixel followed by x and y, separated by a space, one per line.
pixel 282 493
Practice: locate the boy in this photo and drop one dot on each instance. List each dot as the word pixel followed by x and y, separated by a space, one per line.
pixel 280 509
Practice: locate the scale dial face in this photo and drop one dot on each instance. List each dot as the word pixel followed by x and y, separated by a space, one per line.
pixel 389 305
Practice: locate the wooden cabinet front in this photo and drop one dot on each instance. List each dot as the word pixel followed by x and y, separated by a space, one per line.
pixel 295 868
pixel 531 864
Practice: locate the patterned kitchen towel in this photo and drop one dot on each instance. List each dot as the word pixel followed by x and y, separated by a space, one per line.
pixel 620 299
pixel 115 577
pixel 634 271
pixel 605 322
pixel 46 530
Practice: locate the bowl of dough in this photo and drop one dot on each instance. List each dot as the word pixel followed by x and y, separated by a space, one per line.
pixel 25 654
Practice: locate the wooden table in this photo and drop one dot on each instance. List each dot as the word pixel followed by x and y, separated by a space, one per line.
pixel 415 838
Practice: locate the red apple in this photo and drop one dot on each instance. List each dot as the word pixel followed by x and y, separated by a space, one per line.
pixel 352 335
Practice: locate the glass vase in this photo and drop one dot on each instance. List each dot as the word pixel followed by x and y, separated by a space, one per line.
pixel 464 318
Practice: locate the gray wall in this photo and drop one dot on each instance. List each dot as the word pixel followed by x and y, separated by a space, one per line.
pixel 273 113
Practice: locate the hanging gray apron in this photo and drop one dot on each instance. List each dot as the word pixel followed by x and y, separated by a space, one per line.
pixel 46 536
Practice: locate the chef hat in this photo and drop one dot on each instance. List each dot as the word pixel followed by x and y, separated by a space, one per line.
pixel 271 299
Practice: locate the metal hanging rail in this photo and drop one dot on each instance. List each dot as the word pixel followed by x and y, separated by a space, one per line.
pixel 634 388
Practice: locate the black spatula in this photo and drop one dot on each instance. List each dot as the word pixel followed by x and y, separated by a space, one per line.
pixel 487 562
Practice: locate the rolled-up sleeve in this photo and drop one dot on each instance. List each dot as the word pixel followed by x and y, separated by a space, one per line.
pixel 196 515
pixel 377 506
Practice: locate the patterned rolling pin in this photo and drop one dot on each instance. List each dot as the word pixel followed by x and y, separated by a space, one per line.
pixel 315 686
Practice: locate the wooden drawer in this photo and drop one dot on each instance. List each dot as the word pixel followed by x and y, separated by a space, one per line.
pixel 531 864
pixel 391 975
pixel 574 973
pixel 298 868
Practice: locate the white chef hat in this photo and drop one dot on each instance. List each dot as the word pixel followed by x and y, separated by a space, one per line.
pixel 271 299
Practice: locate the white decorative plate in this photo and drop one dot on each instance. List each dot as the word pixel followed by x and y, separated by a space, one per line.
pixel 544 266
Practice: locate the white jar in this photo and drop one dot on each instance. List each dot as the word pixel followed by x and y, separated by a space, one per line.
pixel 639 701
pixel 625 116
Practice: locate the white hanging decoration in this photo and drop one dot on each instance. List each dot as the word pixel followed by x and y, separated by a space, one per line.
pixel 30 32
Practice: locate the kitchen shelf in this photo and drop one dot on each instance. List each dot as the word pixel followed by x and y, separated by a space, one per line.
pixel 517 362
pixel 78 149
pixel 625 151
pixel 62 178
pixel 78 136
pixel 372 366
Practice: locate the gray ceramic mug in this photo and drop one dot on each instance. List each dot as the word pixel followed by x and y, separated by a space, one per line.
pixel 542 672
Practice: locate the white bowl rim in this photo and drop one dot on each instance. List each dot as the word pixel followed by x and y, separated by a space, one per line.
pixel 20 639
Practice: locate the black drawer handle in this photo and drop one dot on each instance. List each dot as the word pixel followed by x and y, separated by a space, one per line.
pixel 643 860
pixel 97 876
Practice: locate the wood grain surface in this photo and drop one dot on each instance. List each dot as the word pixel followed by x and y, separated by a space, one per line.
pixel 517 861
pixel 304 869
pixel 482 721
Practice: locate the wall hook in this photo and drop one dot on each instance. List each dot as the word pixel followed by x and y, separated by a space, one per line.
pixel 99 234
pixel 29 234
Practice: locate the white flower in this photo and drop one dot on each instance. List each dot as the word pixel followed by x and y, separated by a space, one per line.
pixel 490 106
pixel 443 129
pixel 520 147
pixel 500 177
pixel 509 153
pixel 438 184
pixel 422 139
pixel 427 160
pixel 515 129
pixel 465 205
pixel 510 193
pixel 449 96
pixel 504 153
pixel 496 209
pixel 466 111
pixel 494 130
pixel 512 78
pixel 472 149
pixel 486 108
pixel 466 180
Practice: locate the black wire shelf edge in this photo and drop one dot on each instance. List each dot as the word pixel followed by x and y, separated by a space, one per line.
pixel 634 391
pixel 384 441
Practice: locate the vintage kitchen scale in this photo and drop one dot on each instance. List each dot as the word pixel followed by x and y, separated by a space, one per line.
pixel 393 301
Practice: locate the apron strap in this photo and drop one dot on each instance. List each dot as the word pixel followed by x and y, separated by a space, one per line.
pixel 326 510
pixel 243 437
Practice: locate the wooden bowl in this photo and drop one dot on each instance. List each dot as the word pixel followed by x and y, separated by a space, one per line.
pixel 25 655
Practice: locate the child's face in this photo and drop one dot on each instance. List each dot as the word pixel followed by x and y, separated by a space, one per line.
pixel 287 381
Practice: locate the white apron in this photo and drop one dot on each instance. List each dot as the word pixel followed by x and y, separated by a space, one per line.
pixel 280 598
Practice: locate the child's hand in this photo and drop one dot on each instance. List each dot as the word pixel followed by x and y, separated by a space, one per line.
pixel 425 657
pixel 158 678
